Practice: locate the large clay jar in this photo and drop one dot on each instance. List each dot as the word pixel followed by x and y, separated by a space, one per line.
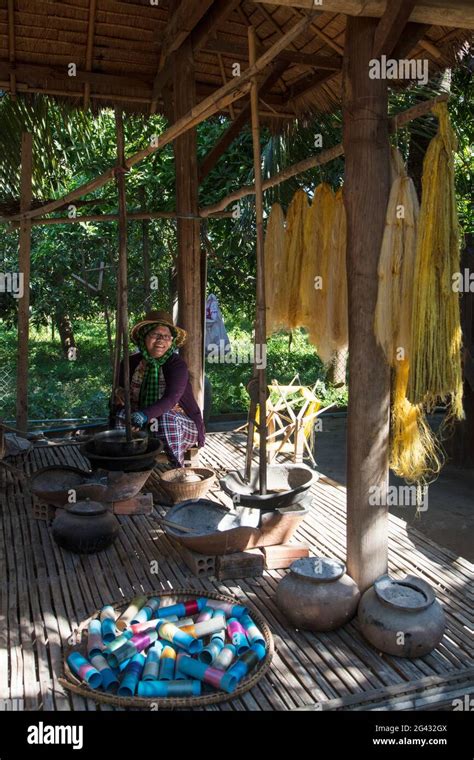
pixel 317 595
pixel 85 527
pixel 401 617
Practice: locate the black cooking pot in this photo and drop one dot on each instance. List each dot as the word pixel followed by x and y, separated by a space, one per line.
pixel 85 527
pixel 114 443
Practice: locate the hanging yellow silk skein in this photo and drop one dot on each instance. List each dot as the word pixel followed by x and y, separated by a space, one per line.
pixel 294 244
pixel 435 366
pixel 276 293
pixel 337 285
pixel 315 278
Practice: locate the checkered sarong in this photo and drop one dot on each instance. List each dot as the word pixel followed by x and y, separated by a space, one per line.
pixel 177 431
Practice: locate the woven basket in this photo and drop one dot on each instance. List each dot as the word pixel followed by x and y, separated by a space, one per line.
pixel 71 682
pixel 182 491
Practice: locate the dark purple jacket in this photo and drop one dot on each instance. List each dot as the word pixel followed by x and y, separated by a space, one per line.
pixel 178 391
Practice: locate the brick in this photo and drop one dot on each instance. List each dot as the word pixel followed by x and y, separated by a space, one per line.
pixel 139 505
pixel 201 565
pixel 245 564
pixel 281 556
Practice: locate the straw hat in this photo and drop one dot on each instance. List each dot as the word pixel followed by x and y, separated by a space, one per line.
pixel 162 318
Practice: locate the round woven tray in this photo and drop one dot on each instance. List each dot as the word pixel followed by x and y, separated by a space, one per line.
pixel 182 491
pixel 71 682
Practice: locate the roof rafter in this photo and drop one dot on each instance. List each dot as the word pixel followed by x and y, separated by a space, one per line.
pixel 89 49
pixel 11 45
pixel 290 56
pixel 391 25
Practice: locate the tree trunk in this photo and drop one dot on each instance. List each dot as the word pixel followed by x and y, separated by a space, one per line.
pixel 66 332
pixel 366 191
pixel 336 374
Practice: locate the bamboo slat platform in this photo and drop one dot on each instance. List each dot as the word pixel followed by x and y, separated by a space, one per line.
pixel 46 592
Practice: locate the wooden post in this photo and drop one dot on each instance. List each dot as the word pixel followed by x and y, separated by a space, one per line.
pixel 189 244
pixel 146 250
pixel 260 320
pixel 24 272
pixel 123 282
pixel 366 191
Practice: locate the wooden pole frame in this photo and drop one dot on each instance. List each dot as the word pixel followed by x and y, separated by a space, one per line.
pixel 366 193
pixel 260 317
pixel 122 301
pixel 222 97
pixel 24 263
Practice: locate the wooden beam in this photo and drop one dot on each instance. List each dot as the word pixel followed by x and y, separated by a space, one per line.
pixel 11 46
pixel 133 216
pixel 24 272
pixel 122 299
pixel 305 86
pixel 412 36
pixel 226 94
pixel 212 21
pixel 179 27
pixel 260 317
pixel 89 49
pixel 448 13
pixel 366 192
pixel 294 57
pixel 395 123
pixel 189 239
pixel 391 25
pixel 210 160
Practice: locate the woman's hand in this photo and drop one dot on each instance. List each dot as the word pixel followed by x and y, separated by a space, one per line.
pixel 120 396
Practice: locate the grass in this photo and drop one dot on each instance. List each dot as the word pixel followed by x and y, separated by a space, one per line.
pixel 61 388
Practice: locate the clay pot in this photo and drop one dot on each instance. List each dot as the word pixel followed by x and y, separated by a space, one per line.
pixel 401 617
pixel 85 527
pixel 317 595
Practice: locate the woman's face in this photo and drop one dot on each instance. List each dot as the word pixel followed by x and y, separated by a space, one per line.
pixel 158 341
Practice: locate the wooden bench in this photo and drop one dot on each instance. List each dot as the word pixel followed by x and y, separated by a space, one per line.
pixel 191 458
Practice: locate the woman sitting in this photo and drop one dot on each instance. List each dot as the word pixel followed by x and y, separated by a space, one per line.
pixel 161 397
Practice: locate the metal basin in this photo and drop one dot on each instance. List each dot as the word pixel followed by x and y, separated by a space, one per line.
pixel 287 484
pixel 130 463
pixel 212 529
pixel 53 484
pixel 114 443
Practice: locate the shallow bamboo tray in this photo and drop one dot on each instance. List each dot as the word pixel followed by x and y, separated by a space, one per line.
pixel 74 684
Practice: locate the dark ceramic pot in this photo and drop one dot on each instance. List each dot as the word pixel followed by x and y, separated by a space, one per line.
pixel 85 527
pixel 401 617
pixel 317 595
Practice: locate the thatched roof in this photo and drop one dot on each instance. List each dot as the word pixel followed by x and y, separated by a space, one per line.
pixel 123 49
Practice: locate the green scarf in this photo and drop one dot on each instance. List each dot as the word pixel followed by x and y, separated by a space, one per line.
pixel 150 385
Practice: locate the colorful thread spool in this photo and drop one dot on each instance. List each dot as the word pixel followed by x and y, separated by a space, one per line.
pixel 247 661
pixel 147 612
pixel 86 672
pixel 225 657
pixel 136 644
pixel 167 664
pixel 95 645
pixel 236 634
pixel 185 688
pixel 108 630
pixel 177 673
pixel 253 633
pixel 206 628
pixel 231 610
pixel 183 622
pixel 191 607
pixel 147 625
pixel 126 617
pixel 107 613
pixel 210 652
pixel 217 678
pixel 179 637
pixel 152 664
pixel 205 614
pixel 118 642
pixel 131 676
pixel 110 681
